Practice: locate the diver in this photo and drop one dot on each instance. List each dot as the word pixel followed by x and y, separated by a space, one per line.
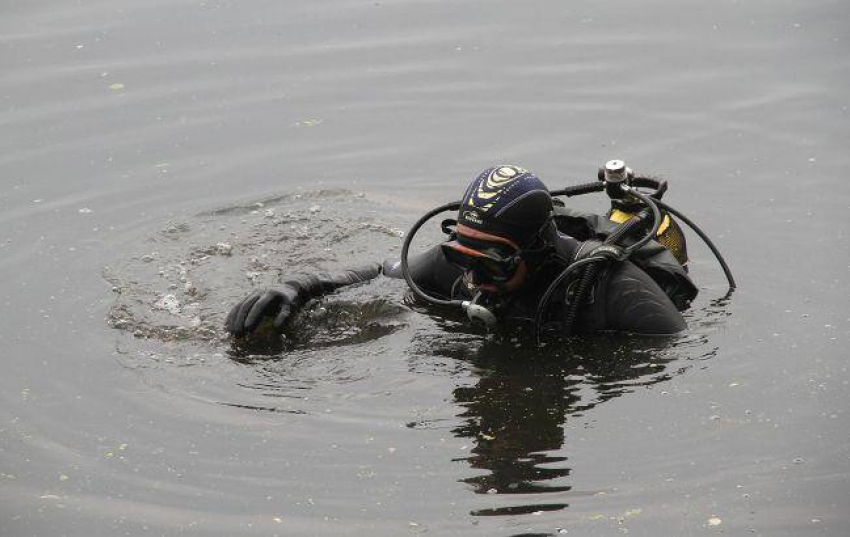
pixel 516 256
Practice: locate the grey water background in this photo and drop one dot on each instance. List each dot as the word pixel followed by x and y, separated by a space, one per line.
pixel 160 159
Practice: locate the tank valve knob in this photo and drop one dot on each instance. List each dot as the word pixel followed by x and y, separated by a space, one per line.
pixel 615 174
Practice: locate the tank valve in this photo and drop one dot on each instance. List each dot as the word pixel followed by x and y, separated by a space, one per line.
pixel 615 174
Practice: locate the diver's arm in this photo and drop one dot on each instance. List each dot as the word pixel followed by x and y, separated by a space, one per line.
pixel 430 270
pixel 628 299
pixel 666 271
pixel 281 303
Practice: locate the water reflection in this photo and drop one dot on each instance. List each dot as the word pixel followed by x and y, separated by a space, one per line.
pixel 516 411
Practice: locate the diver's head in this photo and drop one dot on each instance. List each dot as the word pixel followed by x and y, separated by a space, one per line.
pixel 502 218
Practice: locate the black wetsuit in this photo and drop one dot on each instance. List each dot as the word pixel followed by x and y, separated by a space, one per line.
pixel 643 295
pixel 624 297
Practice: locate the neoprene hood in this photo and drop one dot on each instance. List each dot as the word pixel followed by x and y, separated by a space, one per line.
pixel 507 201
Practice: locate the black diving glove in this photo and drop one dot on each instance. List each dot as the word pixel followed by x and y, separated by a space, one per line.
pixel 281 304
pixel 247 315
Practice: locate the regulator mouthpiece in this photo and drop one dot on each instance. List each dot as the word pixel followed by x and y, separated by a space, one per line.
pixel 478 314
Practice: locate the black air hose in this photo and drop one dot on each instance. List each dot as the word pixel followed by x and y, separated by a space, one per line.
pixel 651 205
pixel 705 238
pixel 585 280
pixel 544 300
pixel 627 227
pixel 405 248
pixel 578 190
pixel 589 273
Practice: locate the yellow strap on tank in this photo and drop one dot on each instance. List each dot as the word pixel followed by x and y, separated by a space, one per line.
pixel 619 217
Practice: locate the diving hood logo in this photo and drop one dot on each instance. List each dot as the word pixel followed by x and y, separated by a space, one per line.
pixel 472 216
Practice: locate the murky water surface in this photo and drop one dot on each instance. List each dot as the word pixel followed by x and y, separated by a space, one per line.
pixel 160 159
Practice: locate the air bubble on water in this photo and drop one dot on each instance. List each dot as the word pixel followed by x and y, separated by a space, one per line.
pixel 168 303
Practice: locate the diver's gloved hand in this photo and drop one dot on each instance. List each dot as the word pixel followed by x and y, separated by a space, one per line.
pixel 282 303
pixel 247 315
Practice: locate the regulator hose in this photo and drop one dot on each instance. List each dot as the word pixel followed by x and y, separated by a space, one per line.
pixel 589 273
pixel 544 300
pixel 578 190
pixel 584 282
pixel 625 229
pixel 405 266
pixel 705 238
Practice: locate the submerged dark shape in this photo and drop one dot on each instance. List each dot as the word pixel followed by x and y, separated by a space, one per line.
pixel 514 256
